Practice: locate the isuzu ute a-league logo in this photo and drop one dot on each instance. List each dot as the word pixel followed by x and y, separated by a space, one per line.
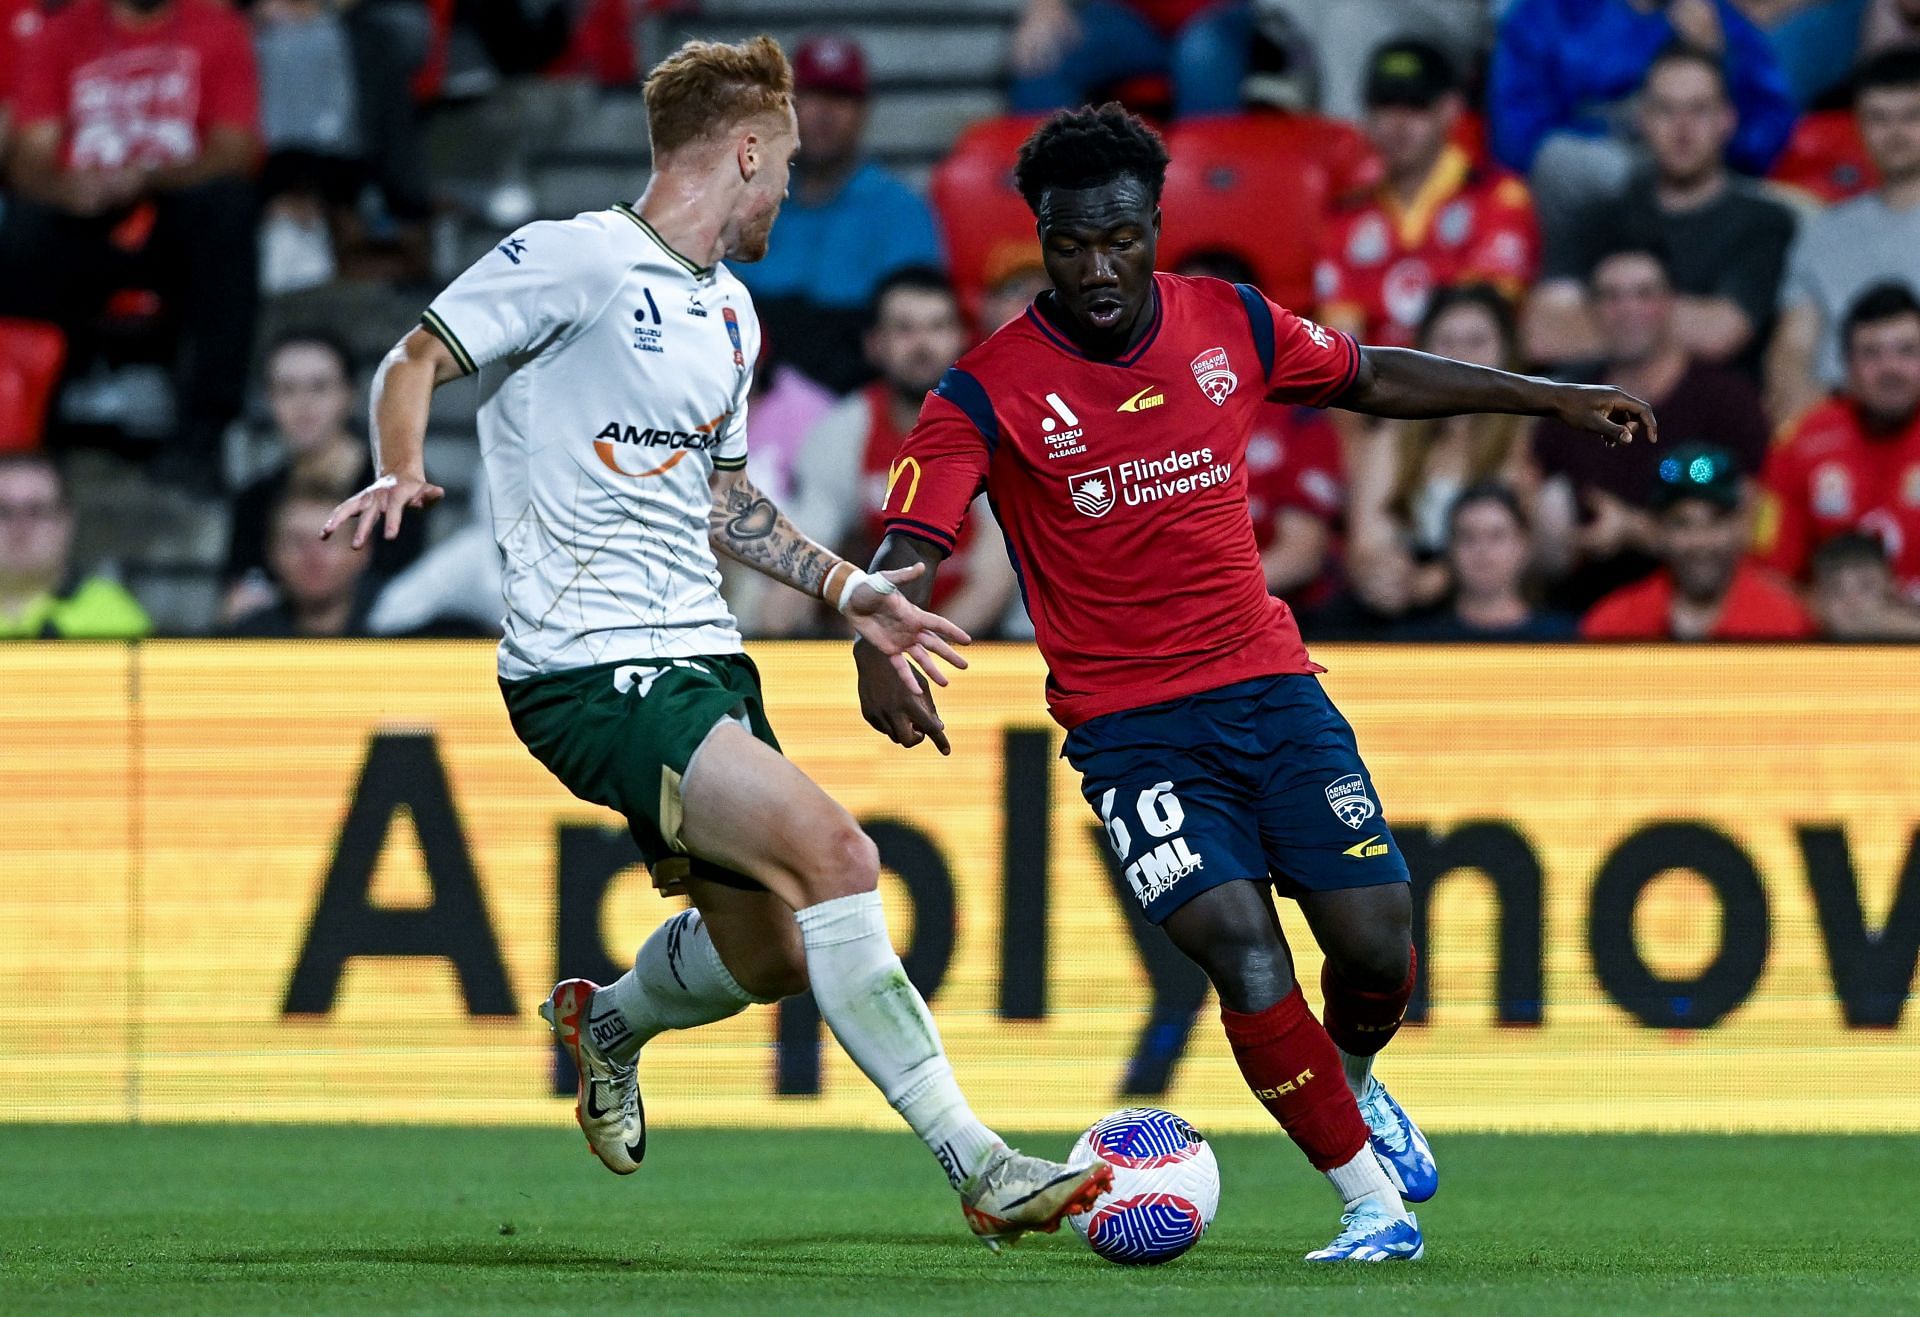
pixel 1092 491
pixel 1348 796
pixel 1215 380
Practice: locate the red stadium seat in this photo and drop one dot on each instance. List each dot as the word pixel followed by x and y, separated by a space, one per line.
pixel 987 224
pixel 1826 157
pixel 1259 186
pixel 31 354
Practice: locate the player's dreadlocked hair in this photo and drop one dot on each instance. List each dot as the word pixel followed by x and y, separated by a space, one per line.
pixel 1088 147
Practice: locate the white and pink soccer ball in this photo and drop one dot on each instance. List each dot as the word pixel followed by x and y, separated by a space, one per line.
pixel 1166 1187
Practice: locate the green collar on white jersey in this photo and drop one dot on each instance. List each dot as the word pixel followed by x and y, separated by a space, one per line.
pixel 697 271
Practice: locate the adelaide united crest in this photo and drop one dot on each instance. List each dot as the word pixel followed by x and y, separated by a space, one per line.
pixel 1215 379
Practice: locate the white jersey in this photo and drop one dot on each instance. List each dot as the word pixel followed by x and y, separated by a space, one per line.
pixel 613 380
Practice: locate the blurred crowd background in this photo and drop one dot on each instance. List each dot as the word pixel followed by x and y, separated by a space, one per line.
pixel 216 217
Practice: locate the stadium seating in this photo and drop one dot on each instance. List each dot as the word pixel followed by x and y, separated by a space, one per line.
pixel 1257 185
pixel 31 354
pixel 1825 157
pixel 981 213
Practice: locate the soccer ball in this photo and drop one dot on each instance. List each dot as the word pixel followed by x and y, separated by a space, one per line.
pixel 1166 1187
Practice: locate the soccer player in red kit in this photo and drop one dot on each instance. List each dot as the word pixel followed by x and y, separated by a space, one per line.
pixel 1108 426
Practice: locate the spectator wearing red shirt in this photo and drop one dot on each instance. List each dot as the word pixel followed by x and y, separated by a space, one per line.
pixel 847 461
pixel 136 130
pixel 1437 220
pixel 1853 462
pixel 1064 52
pixel 1708 589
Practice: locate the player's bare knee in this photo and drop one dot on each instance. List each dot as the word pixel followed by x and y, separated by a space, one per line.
pixel 841 861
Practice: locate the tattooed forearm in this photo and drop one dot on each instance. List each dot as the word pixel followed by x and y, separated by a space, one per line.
pixel 747 527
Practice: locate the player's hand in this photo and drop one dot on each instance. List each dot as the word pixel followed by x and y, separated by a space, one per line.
pixel 1613 414
pixel 382 504
pixel 903 715
pixel 903 631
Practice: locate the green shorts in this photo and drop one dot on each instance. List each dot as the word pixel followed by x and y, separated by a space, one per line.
pixel 622 735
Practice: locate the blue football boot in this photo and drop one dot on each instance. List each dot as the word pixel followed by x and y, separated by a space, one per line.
pixel 1369 1233
pixel 1399 1144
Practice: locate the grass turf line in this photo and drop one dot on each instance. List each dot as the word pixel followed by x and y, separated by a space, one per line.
pixel 343 1218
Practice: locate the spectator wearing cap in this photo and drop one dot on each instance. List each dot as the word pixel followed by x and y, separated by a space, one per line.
pixel 846 226
pixel 1707 588
pixel 1596 528
pixel 1853 462
pixel 136 132
pixel 1489 551
pixel 846 462
pixel 1847 248
pixel 1725 240
pixel 41 596
pixel 1437 219
pixel 1564 73
pixel 1064 52
pixel 1854 595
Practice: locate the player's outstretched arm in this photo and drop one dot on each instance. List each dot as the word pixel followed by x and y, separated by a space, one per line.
pixel 1409 385
pixel 402 392
pixel 747 527
pixel 901 711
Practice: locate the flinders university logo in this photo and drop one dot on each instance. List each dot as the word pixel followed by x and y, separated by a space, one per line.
pixel 1215 380
pixel 1092 491
pixel 1349 798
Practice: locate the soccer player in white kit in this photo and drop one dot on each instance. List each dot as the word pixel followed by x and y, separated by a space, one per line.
pixel 613 354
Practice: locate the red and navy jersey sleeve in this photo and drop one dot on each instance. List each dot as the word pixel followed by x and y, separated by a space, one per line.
pixel 942 464
pixel 1305 363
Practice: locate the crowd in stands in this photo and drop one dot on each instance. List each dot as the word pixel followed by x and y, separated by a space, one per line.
pixel 1714 204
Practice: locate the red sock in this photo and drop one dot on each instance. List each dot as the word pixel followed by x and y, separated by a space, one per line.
pixel 1291 1066
pixel 1361 1023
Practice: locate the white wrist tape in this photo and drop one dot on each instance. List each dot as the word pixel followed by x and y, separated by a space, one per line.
pixel 856 579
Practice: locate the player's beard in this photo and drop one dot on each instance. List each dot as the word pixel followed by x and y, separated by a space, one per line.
pixel 753 239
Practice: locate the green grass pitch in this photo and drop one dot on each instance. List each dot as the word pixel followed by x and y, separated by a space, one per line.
pixel 345 1219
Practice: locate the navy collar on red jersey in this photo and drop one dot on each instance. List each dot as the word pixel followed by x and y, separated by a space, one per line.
pixel 1066 344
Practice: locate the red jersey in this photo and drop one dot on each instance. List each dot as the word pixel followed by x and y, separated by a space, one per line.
pixel 1759 606
pixel 139 93
pixel 876 461
pixel 1828 476
pixel 1121 488
pixel 1294 462
pixel 1382 264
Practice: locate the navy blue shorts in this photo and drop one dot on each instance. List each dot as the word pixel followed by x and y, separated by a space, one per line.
pixel 1259 780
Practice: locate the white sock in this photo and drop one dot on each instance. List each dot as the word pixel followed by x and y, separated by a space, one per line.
pixel 883 1023
pixel 1364 1177
pixel 678 981
pixel 1359 1069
